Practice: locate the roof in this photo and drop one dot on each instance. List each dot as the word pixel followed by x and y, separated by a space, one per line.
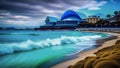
pixel 70 14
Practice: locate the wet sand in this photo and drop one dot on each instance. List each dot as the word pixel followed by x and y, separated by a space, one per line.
pixel 85 54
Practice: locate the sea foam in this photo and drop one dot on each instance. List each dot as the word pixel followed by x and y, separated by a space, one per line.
pixel 8 48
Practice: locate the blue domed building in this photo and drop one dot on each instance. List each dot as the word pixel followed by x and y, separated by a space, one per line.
pixel 69 20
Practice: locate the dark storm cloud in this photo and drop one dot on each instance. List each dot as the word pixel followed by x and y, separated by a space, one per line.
pixel 25 5
pixel 24 10
pixel 12 6
pixel 28 6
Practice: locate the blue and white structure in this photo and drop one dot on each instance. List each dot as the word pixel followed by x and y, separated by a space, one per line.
pixel 69 19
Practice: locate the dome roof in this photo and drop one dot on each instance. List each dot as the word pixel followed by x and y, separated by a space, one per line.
pixel 70 14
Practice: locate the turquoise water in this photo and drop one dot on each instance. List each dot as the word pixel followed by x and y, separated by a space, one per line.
pixel 35 49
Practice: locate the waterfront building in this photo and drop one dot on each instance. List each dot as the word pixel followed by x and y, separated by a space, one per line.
pixel 92 19
pixel 69 19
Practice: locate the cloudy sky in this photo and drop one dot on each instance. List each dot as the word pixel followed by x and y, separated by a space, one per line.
pixel 32 13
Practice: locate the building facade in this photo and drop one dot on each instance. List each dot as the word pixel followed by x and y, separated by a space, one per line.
pixel 69 19
pixel 92 19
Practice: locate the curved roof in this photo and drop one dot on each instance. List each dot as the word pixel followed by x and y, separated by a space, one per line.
pixel 70 14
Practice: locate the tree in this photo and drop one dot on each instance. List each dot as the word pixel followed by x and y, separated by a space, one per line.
pixel 108 16
pixel 116 13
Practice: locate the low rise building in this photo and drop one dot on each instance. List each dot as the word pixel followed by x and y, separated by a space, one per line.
pixel 92 19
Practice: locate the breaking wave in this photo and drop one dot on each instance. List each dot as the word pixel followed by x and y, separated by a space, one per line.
pixel 8 48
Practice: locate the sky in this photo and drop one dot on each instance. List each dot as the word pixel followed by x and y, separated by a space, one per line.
pixel 32 13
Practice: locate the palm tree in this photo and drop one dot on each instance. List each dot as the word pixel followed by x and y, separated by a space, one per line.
pixel 116 15
pixel 108 16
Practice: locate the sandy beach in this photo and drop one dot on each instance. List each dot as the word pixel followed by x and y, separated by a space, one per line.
pixel 85 54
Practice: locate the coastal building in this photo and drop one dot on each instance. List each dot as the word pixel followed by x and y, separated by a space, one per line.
pixel 92 19
pixel 69 20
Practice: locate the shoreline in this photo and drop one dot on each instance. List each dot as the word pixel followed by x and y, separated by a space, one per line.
pixel 102 43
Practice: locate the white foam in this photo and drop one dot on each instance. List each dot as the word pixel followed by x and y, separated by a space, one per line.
pixel 29 44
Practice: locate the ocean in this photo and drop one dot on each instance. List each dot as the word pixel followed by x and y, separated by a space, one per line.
pixel 41 49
